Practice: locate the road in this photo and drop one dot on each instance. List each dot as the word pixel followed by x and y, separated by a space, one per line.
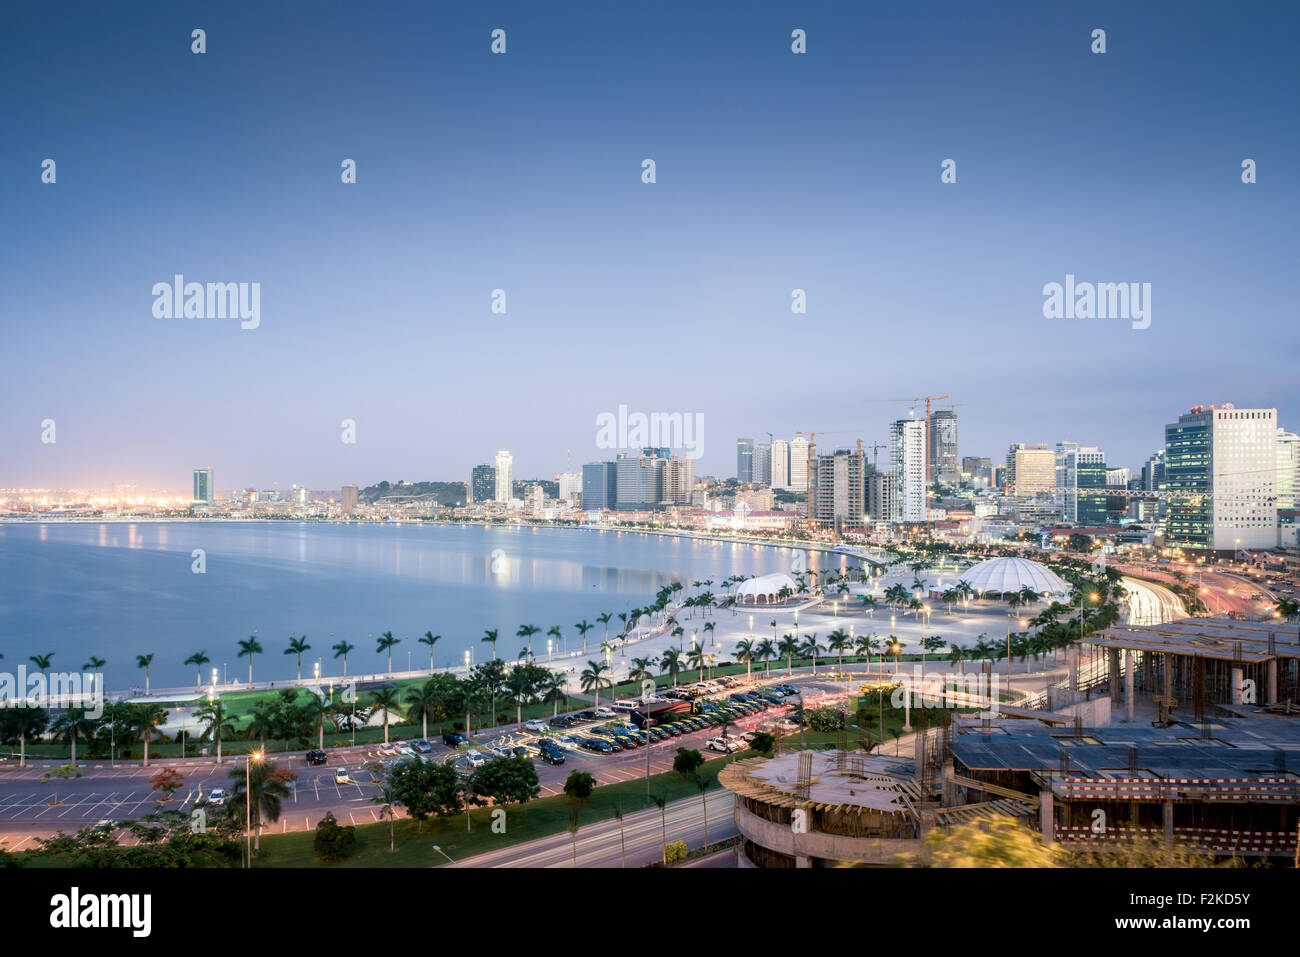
pixel 598 845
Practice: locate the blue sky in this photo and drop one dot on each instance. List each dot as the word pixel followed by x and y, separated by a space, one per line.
pixel 522 172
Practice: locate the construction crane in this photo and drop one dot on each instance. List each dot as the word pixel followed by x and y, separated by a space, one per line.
pixel 875 452
pixel 928 400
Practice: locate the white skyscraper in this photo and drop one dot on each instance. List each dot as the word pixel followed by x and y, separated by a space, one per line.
pixel 1288 468
pixel 799 464
pixel 570 485
pixel 780 464
pixel 907 464
pixel 505 463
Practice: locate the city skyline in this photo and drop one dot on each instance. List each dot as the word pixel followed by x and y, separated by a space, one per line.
pixel 376 298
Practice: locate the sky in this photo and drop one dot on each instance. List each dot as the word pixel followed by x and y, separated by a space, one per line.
pixel 523 172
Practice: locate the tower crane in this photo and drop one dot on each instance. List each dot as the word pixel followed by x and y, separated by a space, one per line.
pixel 928 400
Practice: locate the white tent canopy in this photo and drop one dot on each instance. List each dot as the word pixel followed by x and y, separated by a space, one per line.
pixel 766 589
pixel 1005 575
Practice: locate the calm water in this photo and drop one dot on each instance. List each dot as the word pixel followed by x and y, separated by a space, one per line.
pixel 118 590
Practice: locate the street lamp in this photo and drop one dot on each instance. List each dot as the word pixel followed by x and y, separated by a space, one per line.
pixel 443 853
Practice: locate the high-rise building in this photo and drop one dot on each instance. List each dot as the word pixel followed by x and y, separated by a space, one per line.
pixel 744 461
pixel 1119 477
pixel 977 471
pixel 907 449
pixel 299 496
pixel 881 496
pixel 599 485
pixel 570 486
pixel 798 464
pixel 482 484
pixel 763 464
pixel 505 479
pixel 640 481
pixel 679 480
pixel 943 447
pixel 1030 471
pixel 780 464
pixel 203 492
pixel 1221 477
pixel 1081 482
pixel 349 498
pixel 1288 469
pixel 835 492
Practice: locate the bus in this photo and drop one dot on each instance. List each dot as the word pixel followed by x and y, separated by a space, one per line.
pixel 655 713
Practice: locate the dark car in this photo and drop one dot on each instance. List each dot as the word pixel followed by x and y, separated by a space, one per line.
pixel 316 756
pixel 599 745
pixel 454 739
pixel 421 746
pixel 588 715
pixel 602 731
pixel 552 755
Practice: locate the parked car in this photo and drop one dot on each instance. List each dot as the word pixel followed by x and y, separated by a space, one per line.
pixel 537 725
pixel 218 796
pixel 599 745
pixel 604 712
pixel 519 751
pixel 454 739
pixel 316 757
pixel 725 745
pixel 421 746
pixel 552 755
pixel 501 751
pixel 341 776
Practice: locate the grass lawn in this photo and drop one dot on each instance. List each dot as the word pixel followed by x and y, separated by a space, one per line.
pixel 524 822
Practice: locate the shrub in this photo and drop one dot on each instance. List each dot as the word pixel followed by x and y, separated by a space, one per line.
pixel 674 852
pixel 826 719
pixel 579 785
pixel 333 841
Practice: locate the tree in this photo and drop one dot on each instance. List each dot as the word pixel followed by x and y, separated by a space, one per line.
pixel 20 723
pixel 425 702
pixel 696 659
pixel 72 725
pixel 839 641
pixel 744 654
pixel 333 841
pixel 520 683
pixel 296 647
pixel 216 723
pixel 145 720
pixel 583 627
pixel 572 825
pixel 687 761
pixel 671 662
pixel 788 648
pixel 765 652
pixel 42 662
pixel 247 649
pixel 811 648
pixel 62 772
pixel 317 710
pixel 593 679
pixel 168 781
pixel 259 791
pixel 762 742
pixel 430 639
pixel 554 632
pixel 526 632
pixel 553 691
pixel 341 651
pixel 660 801
pixel 507 780
pixel 425 789
pixel 385 643
pixel 144 661
pixel 198 660
pixel 579 785
pixel 386 697
pixel 490 638
pixel 603 618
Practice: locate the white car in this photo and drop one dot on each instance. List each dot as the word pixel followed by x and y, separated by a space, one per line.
pixel 475 758
pixel 537 725
pixel 341 776
pixel 725 745
pixel 605 713
pixel 218 797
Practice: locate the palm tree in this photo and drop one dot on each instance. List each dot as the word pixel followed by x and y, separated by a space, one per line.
pixel 70 726
pixel 660 801
pixel 145 719
pixel 773 624
pixel 317 711
pixel 250 647
pixel 94 665
pixel 554 632
pixel 216 723
pixel 696 659
pixel 837 641
pixel 869 602
pixel 622 844
pixel 424 703
pixel 520 685
pixel 430 639
pixel 385 697
pixel 583 627
pixel 671 662
pixel 593 679
pixel 386 642
pixel 572 826
pixel 42 662
pixel 708 629
pixel 745 653
pixel 765 652
pixel 787 648
pixel 703 784
pixel 553 690
pixel 490 638
pixel 341 651
pixel 261 724
pixel 198 660
pixel 604 618
pixel 526 632
pixel 641 669
pixel 259 789
pixel 811 648
pixel 296 647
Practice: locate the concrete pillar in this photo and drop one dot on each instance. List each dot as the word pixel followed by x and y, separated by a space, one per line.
pixel 1236 684
pixel 1112 668
pixel 802 861
pixel 907 705
pixel 1270 687
pixel 949 797
pixel 1072 663
pixel 1169 823
pixel 1130 695
pixel 1046 817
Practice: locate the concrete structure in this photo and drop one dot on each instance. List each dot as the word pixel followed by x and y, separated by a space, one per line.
pixel 349 499
pixel 505 476
pixel 482 484
pixel 1081 483
pixel 762 464
pixel 798 464
pixel 1288 468
pixel 640 481
pixel 678 480
pixel 943 447
pixel 599 485
pixel 744 461
pixel 836 496
pixel 570 486
pixel 1030 471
